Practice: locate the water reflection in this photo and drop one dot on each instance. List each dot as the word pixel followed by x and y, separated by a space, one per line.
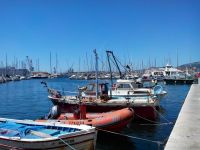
pixel 28 100
pixel 109 141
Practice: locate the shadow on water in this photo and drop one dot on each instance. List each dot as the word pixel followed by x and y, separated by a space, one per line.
pixel 134 137
pixel 109 141
pixel 144 134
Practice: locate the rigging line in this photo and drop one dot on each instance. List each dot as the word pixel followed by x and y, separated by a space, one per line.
pixel 101 61
pixel 113 62
pixel 133 137
pixel 146 124
pixel 67 91
pixel 66 143
pixel 121 64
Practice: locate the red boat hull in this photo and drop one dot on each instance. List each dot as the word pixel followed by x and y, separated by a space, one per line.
pixel 109 121
pixel 146 112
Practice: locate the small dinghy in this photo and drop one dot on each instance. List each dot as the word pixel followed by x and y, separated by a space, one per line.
pixel 112 121
pixel 28 134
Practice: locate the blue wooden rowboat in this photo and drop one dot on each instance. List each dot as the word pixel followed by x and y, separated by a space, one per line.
pixel 28 134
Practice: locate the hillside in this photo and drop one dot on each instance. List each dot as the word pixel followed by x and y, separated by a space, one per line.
pixel 191 65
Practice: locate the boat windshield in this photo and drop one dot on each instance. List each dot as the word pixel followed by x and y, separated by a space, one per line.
pixel 90 87
pixel 134 85
pixel 124 86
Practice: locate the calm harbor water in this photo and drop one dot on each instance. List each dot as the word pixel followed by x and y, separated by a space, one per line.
pixel 27 99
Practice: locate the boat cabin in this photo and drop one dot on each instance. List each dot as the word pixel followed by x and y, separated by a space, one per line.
pixel 91 89
pixel 125 85
pixel 128 87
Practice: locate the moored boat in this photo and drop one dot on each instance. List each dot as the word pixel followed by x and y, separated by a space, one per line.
pixel 40 75
pixel 144 107
pixel 99 100
pixel 124 88
pixel 178 81
pixel 112 121
pixel 28 134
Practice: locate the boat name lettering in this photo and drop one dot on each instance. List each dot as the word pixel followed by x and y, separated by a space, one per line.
pixel 76 122
pixel 115 118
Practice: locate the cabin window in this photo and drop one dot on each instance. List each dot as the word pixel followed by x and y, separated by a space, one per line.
pixel 134 85
pixel 167 73
pixel 158 73
pixel 120 86
pixel 124 86
pixel 90 87
pixel 127 86
pixel 173 73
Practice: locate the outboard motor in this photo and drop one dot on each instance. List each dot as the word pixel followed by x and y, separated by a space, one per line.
pixel 54 113
pixel 157 90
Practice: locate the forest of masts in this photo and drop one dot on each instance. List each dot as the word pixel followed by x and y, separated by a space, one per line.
pixel 82 64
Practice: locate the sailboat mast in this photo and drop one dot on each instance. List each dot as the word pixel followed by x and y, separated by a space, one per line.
pixel 6 65
pixel 56 64
pixel 108 58
pixel 96 69
pixel 87 64
pixel 50 64
pixel 177 59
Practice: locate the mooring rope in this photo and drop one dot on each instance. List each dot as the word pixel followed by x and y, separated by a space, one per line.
pixel 133 137
pixel 67 143
pixel 146 119
pixel 169 122
pixel 154 122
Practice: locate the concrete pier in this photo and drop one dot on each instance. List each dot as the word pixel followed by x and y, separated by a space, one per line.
pixel 186 132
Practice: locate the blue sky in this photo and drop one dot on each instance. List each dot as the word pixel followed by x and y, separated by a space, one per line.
pixel 137 31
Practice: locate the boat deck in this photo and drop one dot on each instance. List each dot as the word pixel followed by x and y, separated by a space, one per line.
pixel 186 132
pixel 12 129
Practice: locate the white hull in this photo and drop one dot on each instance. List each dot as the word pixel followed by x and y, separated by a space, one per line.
pixel 120 101
pixel 85 139
pixel 78 143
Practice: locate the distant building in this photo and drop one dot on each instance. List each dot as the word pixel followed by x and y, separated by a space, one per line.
pixel 10 71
